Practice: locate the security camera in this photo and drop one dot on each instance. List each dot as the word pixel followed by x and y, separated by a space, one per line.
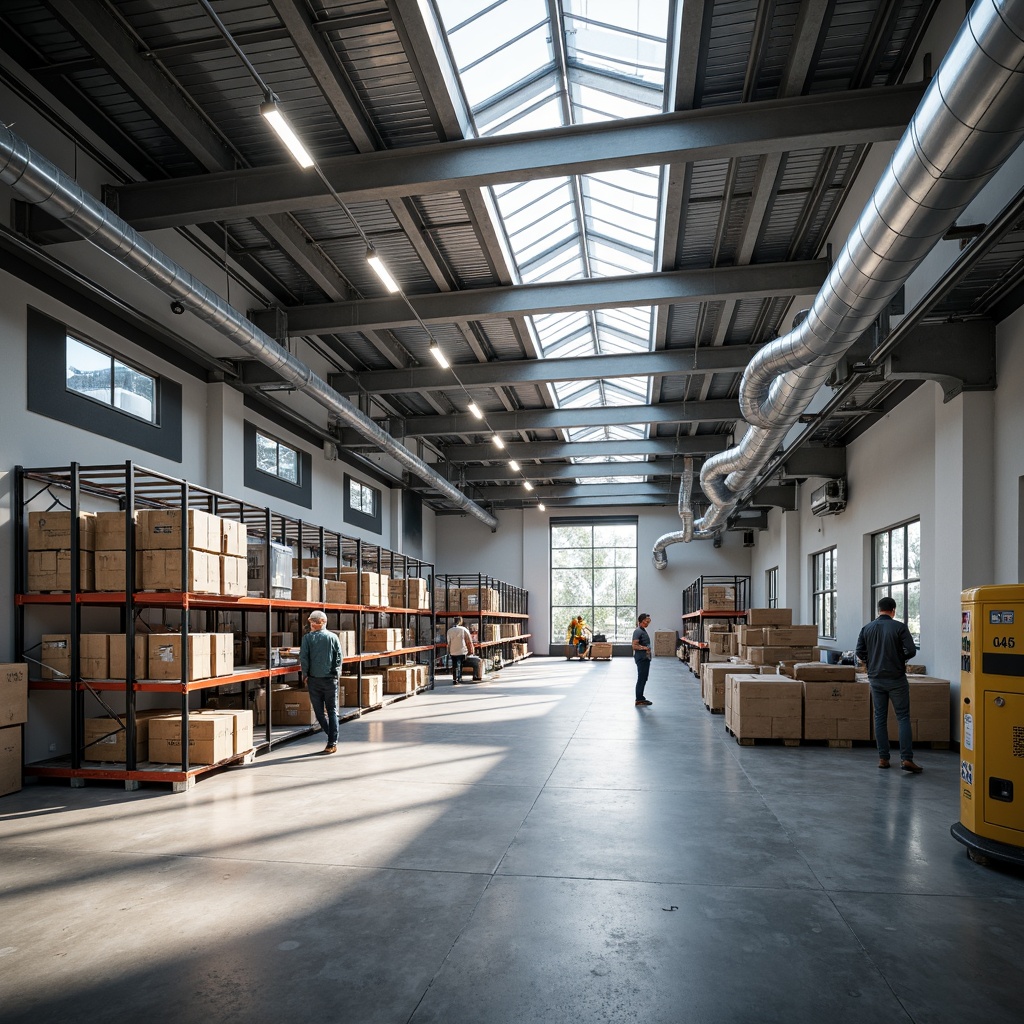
pixel 177 308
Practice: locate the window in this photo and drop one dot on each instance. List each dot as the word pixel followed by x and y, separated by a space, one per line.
pixel 98 375
pixel 896 572
pixel 825 593
pixel 594 573
pixel 276 458
pixel 771 587
pixel 362 498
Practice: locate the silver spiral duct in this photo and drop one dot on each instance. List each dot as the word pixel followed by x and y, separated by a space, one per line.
pixel 44 184
pixel 685 535
pixel 970 121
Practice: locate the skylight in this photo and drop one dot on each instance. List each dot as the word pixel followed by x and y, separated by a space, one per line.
pixel 524 69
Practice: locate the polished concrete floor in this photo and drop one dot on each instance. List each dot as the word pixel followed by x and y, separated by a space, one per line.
pixel 533 849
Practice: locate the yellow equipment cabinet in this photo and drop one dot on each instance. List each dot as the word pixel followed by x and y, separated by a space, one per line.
pixel 992 724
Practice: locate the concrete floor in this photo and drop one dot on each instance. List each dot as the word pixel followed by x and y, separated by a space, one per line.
pixel 534 849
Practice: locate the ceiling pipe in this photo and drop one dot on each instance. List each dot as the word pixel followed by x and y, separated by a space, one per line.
pixel 41 182
pixel 970 121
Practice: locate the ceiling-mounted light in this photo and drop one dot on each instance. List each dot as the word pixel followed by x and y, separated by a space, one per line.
pixel 276 119
pixel 476 410
pixel 528 485
pixel 381 271
pixel 540 506
pixel 498 443
pixel 513 465
pixel 442 359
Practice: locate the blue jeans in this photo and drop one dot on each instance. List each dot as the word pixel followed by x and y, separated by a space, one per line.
pixel 457 661
pixel 643 670
pixel 323 695
pixel 897 691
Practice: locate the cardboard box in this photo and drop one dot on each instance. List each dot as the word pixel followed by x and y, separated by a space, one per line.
pixel 94 655
pixel 234 538
pixel 306 567
pixel 109 532
pixel 241 724
pixel 306 588
pixel 291 707
pixel 378 640
pixel 398 593
pixel 109 571
pixel 160 569
pixel 336 591
pixel 234 576
pixel 13 694
pixel 10 759
pixel 51 531
pixel 665 643
pixel 773 655
pixel 713 679
pixel 790 636
pixel 50 571
pixel 222 654
pixel 347 640
pixel 769 617
pixel 118 665
pixel 165 655
pixel 718 598
pixel 369 695
pixel 160 529
pixel 399 679
pixel 363 587
pixel 601 651
pixel 419 595
pixel 106 738
pixel 764 707
pixel 55 654
pixel 211 739
pixel 818 671
pixel 836 710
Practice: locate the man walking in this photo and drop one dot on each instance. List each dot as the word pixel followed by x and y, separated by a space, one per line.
pixel 642 658
pixel 320 661
pixel 885 646
pixel 460 644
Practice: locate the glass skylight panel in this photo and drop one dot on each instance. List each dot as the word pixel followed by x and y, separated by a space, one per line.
pixel 534 117
pixel 579 394
pixel 506 63
pixel 614 432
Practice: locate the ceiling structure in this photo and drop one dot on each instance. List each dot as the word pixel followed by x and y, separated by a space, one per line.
pixel 598 210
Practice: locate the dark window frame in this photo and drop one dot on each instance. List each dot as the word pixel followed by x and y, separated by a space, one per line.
pixel 824 590
pixel 352 516
pixel 294 449
pixel 258 480
pixel 771 587
pixel 897 587
pixel 79 338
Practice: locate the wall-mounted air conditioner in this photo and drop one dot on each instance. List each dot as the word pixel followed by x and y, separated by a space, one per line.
pixel 829 499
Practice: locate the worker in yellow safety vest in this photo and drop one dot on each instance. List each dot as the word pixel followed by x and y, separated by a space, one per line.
pixel 576 637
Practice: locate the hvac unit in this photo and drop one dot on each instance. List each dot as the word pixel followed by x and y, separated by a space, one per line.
pixel 829 499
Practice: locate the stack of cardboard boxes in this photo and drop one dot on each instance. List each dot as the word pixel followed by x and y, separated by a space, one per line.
pixel 49 551
pixel 404 678
pixel 368 696
pixel 763 707
pixel 213 736
pixel 380 640
pixel 13 715
pixel 713 681
pixel 158 558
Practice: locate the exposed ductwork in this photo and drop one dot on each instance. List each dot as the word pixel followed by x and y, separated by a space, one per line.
pixel 685 535
pixel 42 183
pixel 970 121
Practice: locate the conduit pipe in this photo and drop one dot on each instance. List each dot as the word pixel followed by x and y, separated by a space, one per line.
pixel 970 121
pixel 42 183
pixel 685 535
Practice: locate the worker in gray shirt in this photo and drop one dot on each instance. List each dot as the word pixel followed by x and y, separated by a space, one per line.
pixel 320 660
pixel 885 646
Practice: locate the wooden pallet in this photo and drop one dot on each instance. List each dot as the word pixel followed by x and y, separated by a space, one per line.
pixel 715 711
pixel 754 741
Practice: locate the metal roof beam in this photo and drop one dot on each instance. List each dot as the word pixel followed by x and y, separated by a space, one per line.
pixel 715 133
pixel 675 362
pixel 760 280
pixel 568 471
pixel 702 444
pixel 661 494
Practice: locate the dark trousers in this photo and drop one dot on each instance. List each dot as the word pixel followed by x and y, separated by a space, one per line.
pixel 643 670
pixel 897 691
pixel 457 662
pixel 323 696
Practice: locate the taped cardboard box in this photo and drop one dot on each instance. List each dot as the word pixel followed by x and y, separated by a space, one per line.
pixel 116 650
pixel 718 598
pixel 106 738
pixel 418 595
pixel 222 654
pixel 160 529
pixel 307 588
pixel 241 723
pixel 836 710
pixel 379 640
pixel 336 591
pixel 306 567
pixel 713 678
pixel 601 651
pixel 363 587
pixel 764 707
pixel 109 571
pixel 234 538
pixel 790 636
pixel 818 671
pixel 773 655
pixel 13 694
pixel 398 593
pixel 109 532
pixel 94 655
pixel 210 739
pixel 10 759
pixel 234 576
pixel 347 641
pixel 291 707
pixel 51 531
pixel 769 617
pixel 160 569
pixel 55 655
pixel 50 571
pixel 165 656
pixel 665 643
pixel 399 679
pixel 369 695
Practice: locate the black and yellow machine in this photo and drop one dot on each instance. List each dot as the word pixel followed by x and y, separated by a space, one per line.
pixel 991 822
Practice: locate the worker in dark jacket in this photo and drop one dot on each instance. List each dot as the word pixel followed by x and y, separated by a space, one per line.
pixel 885 646
pixel 320 661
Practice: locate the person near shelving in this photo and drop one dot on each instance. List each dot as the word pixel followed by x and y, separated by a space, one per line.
pixel 460 645
pixel 642 657
pixel 320 661
pixel 576 637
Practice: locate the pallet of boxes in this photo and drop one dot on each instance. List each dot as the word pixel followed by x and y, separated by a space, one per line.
pixel 765 704
pixel 929 710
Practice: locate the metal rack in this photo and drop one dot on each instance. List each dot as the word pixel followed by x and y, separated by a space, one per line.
pixel 695 614
pixel 513 607
pixel 129 488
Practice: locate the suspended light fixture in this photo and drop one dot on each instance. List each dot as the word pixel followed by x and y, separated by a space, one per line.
pixel 276 119
pixel 528 485
pixel 383 273
pixel 442 359
pixel 513 465
pixel 476 410
pixel 541 507
pixel 498 443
